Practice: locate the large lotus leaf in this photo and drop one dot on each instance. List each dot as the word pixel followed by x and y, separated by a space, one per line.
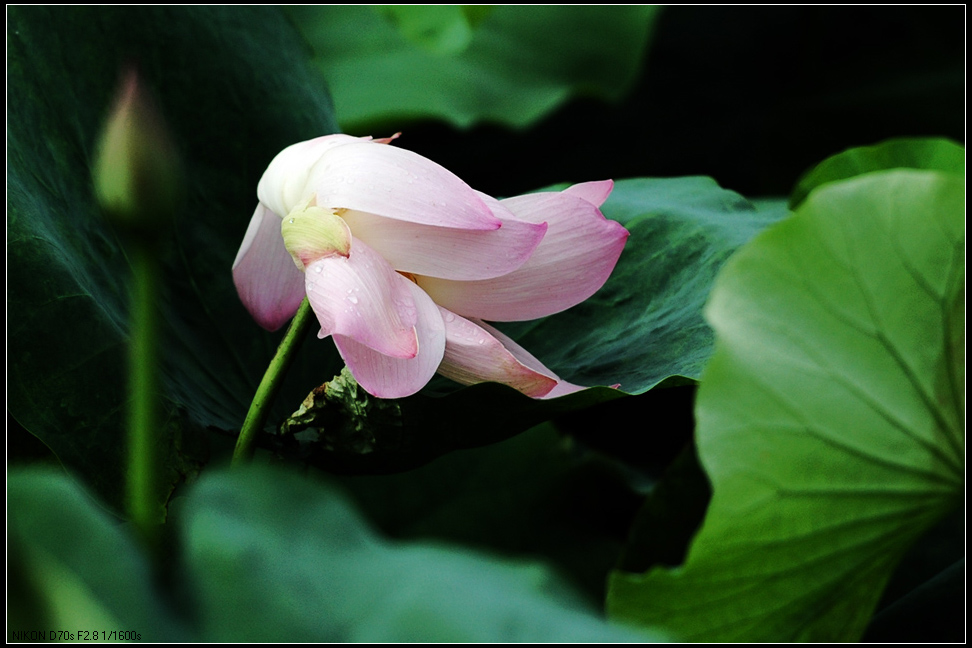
pixel 645 326
pixel 276 557
pixel 934 154
pixel 515 66
pixel 216 73
pixel 830 419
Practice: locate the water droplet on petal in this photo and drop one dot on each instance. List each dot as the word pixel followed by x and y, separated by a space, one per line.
pixel 482 341
pixel 450 317
pixel 353 299
pixel 318 269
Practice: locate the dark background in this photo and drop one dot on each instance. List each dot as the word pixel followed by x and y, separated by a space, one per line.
pixel 752 96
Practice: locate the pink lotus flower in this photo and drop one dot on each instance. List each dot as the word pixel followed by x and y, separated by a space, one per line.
pixel 401 261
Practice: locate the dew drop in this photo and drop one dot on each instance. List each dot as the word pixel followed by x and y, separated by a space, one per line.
pixel 353 299
pixel 291 221
pixel 482 341
pixel 318 269
pixel 450 317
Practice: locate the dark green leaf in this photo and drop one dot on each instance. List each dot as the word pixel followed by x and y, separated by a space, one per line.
pixel 933 612
pixel 670 516
pixel 514 67
pixel 217 75
pixel 537 494
pixel 831 419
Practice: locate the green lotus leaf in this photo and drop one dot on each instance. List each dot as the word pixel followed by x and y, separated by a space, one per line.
pixel 830 418
pixel 933 154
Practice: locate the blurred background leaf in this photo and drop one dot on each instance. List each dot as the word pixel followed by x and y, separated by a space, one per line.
pixel 440 29
pixel 76 568
pixel 830 419
pixel 507 64
pixel 273 556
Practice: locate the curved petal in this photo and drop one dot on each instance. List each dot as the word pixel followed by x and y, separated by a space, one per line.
pixel 386 377
pixel 572 262
pixel 361 297
pixel 284 183
pixel 445 251
pixel 392 182
pixel 347 172
pixel 474 354
pixel 267 281
pixel 594 192
pixel 562 388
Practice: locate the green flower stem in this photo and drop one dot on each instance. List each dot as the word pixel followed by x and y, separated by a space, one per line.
pixel 143 376
pixel 256 418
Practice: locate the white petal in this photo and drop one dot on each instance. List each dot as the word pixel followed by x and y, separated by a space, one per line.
pixel 267 281
pixel 284 184
pixel 363 175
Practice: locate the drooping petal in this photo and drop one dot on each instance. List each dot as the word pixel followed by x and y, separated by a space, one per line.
pixel 574 259
pixel 361 297
pixel 594 192
pixel 445 251
pixel 396 183
pixel 364 175
pixel 267 281
pixel 562 388
pixel 474 355
pixel 387 377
